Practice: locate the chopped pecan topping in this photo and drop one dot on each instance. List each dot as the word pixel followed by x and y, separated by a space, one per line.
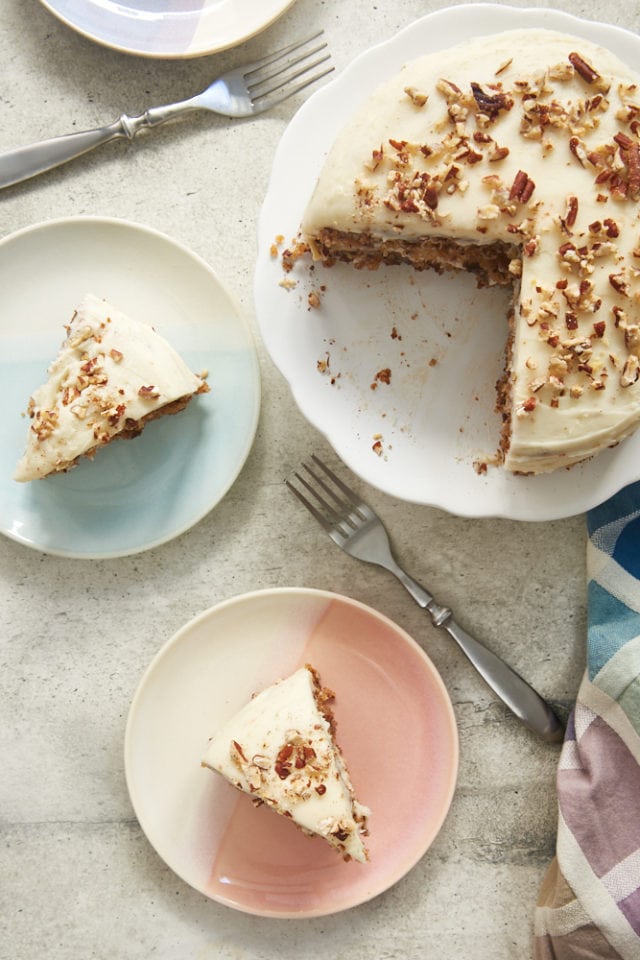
pixel 149 392
pixel 497 153
pixel 619 283
pixel 90 366
pixel 630 371
pixel 416 97
pixel 69 394
pixel 522 187
pixel 377 157
pixel 578 150
pixel 116 414
pixel 572 212
pixel 527 407
pixel 491 103
pixel 261 762
pixel 632 338
pixel 283 761
pixel 630 156
pixel 584 69
pixel 599 328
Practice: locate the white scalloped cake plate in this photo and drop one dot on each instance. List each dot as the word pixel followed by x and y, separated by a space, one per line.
pixel 168 28
pixel 437 416
pixel 136 494
pixel 395 725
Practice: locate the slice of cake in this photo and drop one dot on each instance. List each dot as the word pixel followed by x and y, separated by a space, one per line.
pixel 281 749
pixel 517 157
pixel 112 375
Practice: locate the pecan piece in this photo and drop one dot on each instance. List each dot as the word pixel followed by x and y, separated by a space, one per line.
pixel 577 148
pixel 522 187
pixel 619 283
pixel 491 103
pixel 148 391
pixel 630 371
pixel 584 69
pixel 630 156
pixel 572 212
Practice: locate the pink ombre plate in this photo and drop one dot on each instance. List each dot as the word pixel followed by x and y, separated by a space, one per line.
pixel 396 727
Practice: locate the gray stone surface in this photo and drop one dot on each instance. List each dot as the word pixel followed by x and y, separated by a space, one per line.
pixel 78 877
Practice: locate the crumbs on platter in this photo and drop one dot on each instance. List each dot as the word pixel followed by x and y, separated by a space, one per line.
pixel 382 376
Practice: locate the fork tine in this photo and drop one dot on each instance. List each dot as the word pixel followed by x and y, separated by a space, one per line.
pixel 282 52
pixel 341 504
pixel 283 63
pixel 342 517
pixel 278 81
pixel 347 491
pixel 266 89
pixel 322 520
pixel 263 102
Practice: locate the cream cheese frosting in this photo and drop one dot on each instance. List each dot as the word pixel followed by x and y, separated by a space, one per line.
pixel 280 749
pixel 516 155
pixel 111 375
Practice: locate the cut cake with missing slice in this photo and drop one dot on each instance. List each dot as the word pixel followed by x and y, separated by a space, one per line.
pixel 281 750
pixel 515 156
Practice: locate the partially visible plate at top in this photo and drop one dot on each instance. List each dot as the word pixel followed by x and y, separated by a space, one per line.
pixel 168 28
pixel 135 494
pixel 395 724
pixel 418 437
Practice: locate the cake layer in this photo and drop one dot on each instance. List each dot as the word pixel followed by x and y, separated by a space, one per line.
pixel 111 376
pixel 515 156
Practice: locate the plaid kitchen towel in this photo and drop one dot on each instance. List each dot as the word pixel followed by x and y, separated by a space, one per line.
pixel 589 904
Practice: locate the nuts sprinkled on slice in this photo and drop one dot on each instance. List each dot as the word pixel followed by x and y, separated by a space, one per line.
pixel 149 392
pixel 630 372
pixel 522 187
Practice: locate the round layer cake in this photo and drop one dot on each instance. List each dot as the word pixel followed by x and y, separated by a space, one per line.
pixel 515 156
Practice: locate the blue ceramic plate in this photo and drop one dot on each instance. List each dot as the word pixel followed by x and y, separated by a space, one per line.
pixel 140 493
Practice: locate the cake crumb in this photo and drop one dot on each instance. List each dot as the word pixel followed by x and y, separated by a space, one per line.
pixel 314 298
pixel 382 376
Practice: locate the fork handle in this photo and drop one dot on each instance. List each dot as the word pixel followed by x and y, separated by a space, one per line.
pixel 520 698
pixel 516 693
pixel 25 162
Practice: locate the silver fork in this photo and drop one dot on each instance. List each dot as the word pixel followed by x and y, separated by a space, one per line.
pixel 243 92
pixel 357 530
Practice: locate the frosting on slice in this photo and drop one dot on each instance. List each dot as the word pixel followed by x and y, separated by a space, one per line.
pixel 280 749
pixel 112 374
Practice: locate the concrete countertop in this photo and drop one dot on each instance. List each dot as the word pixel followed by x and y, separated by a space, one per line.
pixel 79 878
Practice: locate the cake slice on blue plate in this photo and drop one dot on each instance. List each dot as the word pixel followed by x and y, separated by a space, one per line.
pixel 112 375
